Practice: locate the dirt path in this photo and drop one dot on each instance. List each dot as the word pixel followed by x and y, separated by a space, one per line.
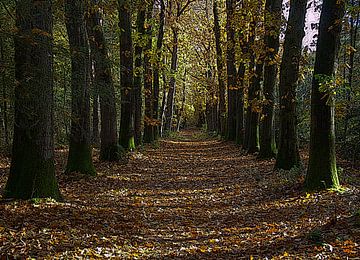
pixel 193 197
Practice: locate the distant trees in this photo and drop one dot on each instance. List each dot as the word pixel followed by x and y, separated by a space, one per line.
pixel 32 172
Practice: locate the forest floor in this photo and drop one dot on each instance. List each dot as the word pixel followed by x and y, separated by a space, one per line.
pixel 191 197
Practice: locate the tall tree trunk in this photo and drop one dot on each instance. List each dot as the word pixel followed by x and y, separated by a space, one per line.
pixel 32 171
pixel 220 70
pixel 80 157
pixel 149 121
pixel 103 82
pixel 163 104
pixel 239 139
pixel 181 111
pixel 250 87
pixel 138 72
pixel 231 71
pixel 126 135
pixel 272 33
pixel 322 171
pixel 254 98
pixel 159 45
pixel 288 154
pixel 4 108
pixel 172 84
pixel 95 135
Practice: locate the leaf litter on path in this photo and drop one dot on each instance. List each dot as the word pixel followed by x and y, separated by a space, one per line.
pixel 193 197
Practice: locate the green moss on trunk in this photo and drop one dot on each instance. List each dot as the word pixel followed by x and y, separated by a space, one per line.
pixel 31 177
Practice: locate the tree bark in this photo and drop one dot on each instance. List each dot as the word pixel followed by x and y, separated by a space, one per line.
pixel 80 154
pixel 288 154
pixel 32 171
pixel 254 98
pixel 149 121
pixel 172 84
pixel 322 171
pixel 156 83
pixel 139 73
pixel 272 34
pixel 126 135
pixel 231 71
pixel 103 82
pixel 220 70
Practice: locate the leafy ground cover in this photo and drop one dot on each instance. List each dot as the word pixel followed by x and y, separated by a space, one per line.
pixel 191 197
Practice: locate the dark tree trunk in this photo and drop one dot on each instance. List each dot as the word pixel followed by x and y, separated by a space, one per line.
pixel 272 29
pixel 32 171
pixel 103 83
pixel 250 91
pixel 181 111
pixel 126 135
pixel 322 171
pixel 240 105
pixel 4 107
pixel 220 71
pixel 159 45
pixel 149 121
pixel 254 98
pixel 231 71
pixel 172 84
pixel 138 72
pixel 163 105
pixel 80 157
pixel 95 135
pixel 288 154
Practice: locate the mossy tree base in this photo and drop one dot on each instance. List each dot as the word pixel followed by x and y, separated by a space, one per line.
pixel 80 159
pixel 32 178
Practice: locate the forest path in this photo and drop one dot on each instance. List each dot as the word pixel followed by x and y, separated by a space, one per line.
pixel 193 197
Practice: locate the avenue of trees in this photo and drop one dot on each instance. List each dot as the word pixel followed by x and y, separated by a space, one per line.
pixel 118 74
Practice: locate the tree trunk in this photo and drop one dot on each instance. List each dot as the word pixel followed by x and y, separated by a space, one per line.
pixel 288 154
pixel 4 108
pixel 80 157
pixel 322 171
pixel 126 135
pixel 172 84
pixel 159 45
pixel 95 136
pixel 231 71
pixel 239 139
pixel 272 29
pixel 181 111
pixel 220 70
pixel 149 121
pixel 32 171
pixel 138 72
pixel 254 94
pixel 103 82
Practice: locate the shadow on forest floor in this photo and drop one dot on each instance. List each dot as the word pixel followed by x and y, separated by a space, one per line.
pixel 194 197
